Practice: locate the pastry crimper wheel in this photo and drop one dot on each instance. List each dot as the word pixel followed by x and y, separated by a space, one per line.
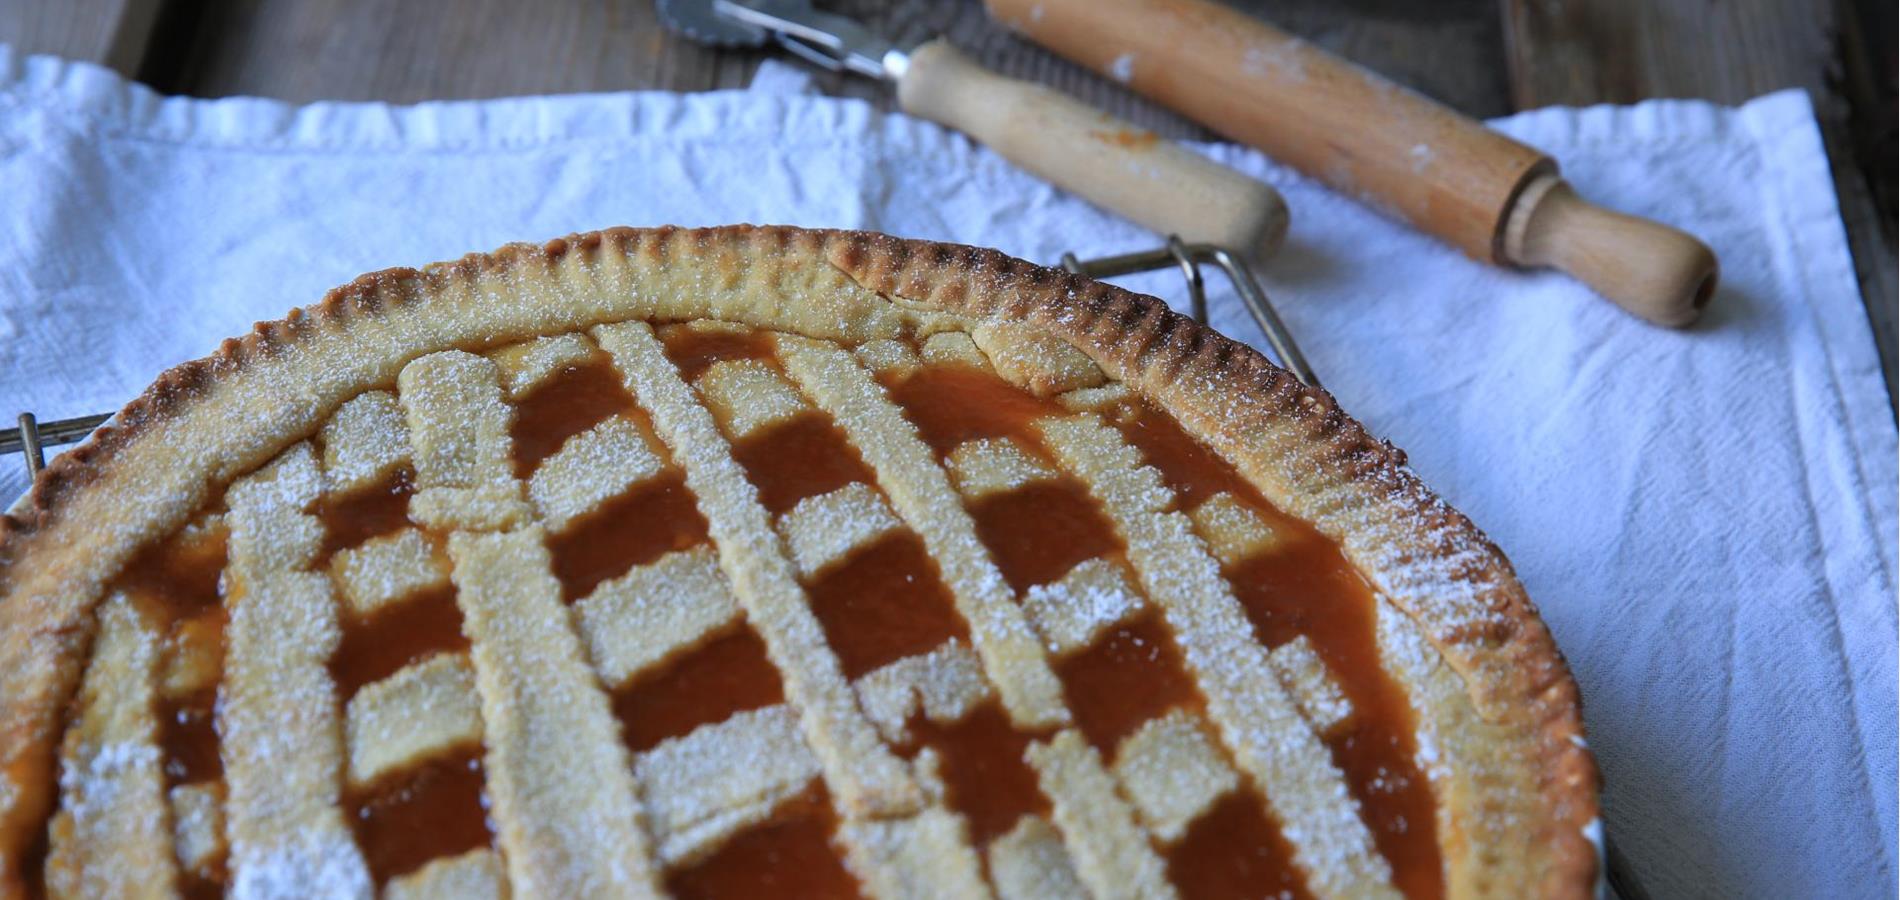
pixel 1116 165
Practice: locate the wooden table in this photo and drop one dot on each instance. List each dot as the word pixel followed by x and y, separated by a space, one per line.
pixel 1484 57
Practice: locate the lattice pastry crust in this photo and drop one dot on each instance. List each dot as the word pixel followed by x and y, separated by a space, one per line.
pixel 1099 556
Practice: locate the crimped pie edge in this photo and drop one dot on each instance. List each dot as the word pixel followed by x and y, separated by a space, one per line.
pixel 1292 441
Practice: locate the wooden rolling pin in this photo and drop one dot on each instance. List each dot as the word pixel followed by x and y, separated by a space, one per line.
pixel 1498 200
pixel 1129 170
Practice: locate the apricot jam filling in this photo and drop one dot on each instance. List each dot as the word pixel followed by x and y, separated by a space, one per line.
pixel 351 519
pixel 803 457
pixel 790 855
pixel 882 600
pixel 882 603
pixel 575 399
pixel 726 675
pixel 986 777
pixel 636 528
pixel 400 634
pixel 1302 586
pixel 432 812
pixel 1305 587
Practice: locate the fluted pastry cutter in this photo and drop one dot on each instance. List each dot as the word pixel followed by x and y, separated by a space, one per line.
pixel 1111 163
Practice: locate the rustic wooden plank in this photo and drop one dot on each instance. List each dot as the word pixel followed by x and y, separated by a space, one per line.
pixel 402 52
pixel 1621 51
pixel 1451 51
pixel 1863 150
pixel 113 33
pixel 1871 240
pixel 305 50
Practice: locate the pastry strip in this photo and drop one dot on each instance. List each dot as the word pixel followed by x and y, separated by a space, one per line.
pixel 825 529
pixel 559 778
pixel 1070 612
pixel 992 466
pixel 945 684
pixel 458 433
pixel 366 440
pixel 1030 863
pixel 198 825
pixel 865 777
pixel 475 875
pixel 386 570
pixel 1310 684
pixel 527 365
pixel 1110 853
pixel 703 787
pixel 640 619
pixel 417 714
pixel 925 856
pixel 746 396
pixel 278 721
pixel 1172 773
pixel 921 493
pixel 1263 730
pixel 592 467
pixel 110 837
pixel 1232 531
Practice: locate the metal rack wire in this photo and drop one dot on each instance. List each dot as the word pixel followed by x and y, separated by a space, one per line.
pixel 1190 258
pixel 31 437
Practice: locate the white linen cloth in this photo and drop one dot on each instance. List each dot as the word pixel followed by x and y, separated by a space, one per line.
pixel 1706 517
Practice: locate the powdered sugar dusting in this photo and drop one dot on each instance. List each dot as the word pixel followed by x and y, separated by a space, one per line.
pixel 1112 856
pixel 110 830
pixel 322 863
pixel 993 465
pixel 591 467
pixel 621 638
pixel 705 785
pixel 864 774
pixel 1308 682
pixel 1280 59
pixel 278 717
pixel 945 684
pixel 1172 773
pixel 635 621
pixel 823 529
pixel 1405 651
pixel 558 776
pixel 387 569
pixel 1257 720
pixel 1031 861
pixel 1071 612
pixel 920 492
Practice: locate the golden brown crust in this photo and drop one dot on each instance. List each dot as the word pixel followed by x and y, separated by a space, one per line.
pixel 1294 442
pixel 1317 463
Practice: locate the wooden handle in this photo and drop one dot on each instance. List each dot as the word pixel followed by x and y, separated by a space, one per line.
pixel 1657 272
pixel 1125 169
pixel 1363 135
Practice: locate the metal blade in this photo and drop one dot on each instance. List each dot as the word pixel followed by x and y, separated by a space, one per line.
pixel 696 19
pixel 835 42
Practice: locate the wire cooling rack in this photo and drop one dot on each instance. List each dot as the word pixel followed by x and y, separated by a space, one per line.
pixel 1190 258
